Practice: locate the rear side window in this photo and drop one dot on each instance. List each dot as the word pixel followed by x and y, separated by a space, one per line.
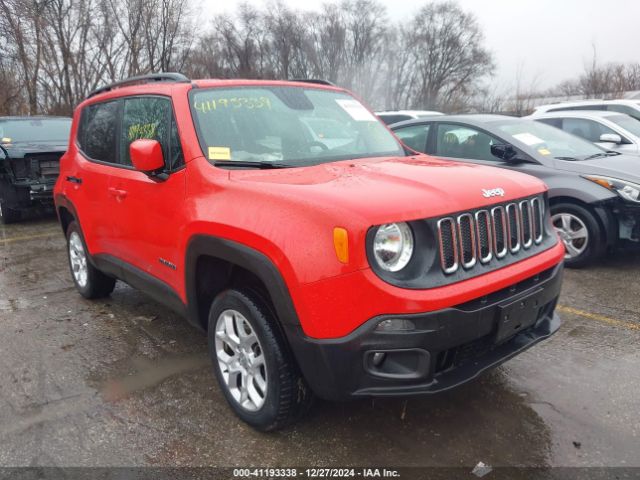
pixel 98 131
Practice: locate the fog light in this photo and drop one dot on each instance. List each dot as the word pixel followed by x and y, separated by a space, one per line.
pixel 395 325
pixel 378 358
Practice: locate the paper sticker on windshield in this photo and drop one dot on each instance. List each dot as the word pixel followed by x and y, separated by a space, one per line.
pixel 219 153
pixel 6 140
pixel 356 110
pixel 528 139
pixel 544 151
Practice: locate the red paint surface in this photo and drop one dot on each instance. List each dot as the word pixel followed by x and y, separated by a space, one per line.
pixel 288 215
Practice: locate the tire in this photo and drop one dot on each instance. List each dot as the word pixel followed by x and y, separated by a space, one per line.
pixel 89 281
pixel 275 395
pixel 580 232
pixel 8 215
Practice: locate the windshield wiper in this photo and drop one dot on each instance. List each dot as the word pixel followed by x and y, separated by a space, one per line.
pixel 250 164
pixel 571 159
pixel 599 155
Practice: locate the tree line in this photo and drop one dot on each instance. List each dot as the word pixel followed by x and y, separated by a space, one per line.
pixel 54 52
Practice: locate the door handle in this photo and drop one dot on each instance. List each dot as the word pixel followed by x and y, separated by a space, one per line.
pixel 74 180
pixel 119 194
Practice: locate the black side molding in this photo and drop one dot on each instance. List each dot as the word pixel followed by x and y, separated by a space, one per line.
pixel 242 256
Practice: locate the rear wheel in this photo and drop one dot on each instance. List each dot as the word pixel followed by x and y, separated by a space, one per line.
pixel 89 281
pixel 252 363
pixel 579 231
pixel 7 214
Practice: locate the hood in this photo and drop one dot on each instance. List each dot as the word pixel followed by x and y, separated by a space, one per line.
pixel 623 167
pixel 21 149
pixel 394 189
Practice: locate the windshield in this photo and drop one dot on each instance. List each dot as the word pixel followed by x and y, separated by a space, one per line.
pixel 35 130
pixel 287 126
pixel 550 141
pixel 630 124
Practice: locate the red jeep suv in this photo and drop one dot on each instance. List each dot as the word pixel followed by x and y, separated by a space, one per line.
pixel 320 255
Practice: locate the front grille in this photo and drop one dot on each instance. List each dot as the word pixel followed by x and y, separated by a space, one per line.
pixel 467 239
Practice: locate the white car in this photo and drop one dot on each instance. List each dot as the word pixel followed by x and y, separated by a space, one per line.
pixel 610 130
pixel 629 107
pixel 390 117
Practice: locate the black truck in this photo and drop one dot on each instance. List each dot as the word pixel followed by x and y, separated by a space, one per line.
pixel 30 151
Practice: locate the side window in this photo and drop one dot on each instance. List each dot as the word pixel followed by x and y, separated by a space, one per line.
pixel 554 122
pixel 144 118
pixel 414 137
pixel 151 118
pixel 175 159
pixel 632 112
pixel 97 133
pixel 587 129
pixel 457 141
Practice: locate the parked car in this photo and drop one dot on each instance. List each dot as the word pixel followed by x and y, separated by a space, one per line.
pixel 610 130
pixel 594 194
pixel 391 117
pixel 628 107
pixel 345 271
pixel 30 151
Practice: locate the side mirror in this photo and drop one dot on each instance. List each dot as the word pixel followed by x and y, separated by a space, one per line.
pixel 611 138
pixel 504 151
pixel 146 156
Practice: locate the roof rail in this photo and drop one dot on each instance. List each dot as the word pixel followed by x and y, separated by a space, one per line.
pixel 317 81
pixel 152 77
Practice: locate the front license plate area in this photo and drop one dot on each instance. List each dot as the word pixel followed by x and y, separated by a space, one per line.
pixel 517 315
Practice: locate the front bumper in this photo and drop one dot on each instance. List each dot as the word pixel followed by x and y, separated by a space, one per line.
pixel 447 348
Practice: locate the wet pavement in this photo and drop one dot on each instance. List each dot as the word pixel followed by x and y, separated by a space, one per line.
pixel 123 382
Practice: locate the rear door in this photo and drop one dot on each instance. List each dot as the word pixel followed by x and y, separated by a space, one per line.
pixel 149 210
pixel 86 181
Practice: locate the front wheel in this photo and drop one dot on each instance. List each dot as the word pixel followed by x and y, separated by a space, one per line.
pixel 256 372
pixel 89 281
pixel 580 232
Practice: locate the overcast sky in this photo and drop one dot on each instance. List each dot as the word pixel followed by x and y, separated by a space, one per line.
pixel 548 40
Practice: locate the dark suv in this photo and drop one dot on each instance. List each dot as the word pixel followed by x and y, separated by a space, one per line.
pixel 30 151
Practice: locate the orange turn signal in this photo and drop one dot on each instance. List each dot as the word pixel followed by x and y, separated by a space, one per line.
pixel 601 181
pixel 341 244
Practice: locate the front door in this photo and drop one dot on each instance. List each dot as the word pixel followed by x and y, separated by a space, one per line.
pixel 149 209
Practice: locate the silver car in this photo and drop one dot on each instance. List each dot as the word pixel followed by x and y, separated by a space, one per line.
pixel 610 130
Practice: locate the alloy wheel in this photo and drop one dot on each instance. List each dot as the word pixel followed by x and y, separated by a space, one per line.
pixel 573 232
pixel 78 259
pixel 241 360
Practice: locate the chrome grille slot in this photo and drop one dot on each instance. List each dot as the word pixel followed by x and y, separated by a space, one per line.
pixel 525 224
pixel 537 219
pixel 513 224
pixel 483 238
pixel 448 245
pixel 483 235
pixel 499 232
pixel 467 240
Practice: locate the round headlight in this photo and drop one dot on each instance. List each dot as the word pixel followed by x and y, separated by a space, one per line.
pixel 393 246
